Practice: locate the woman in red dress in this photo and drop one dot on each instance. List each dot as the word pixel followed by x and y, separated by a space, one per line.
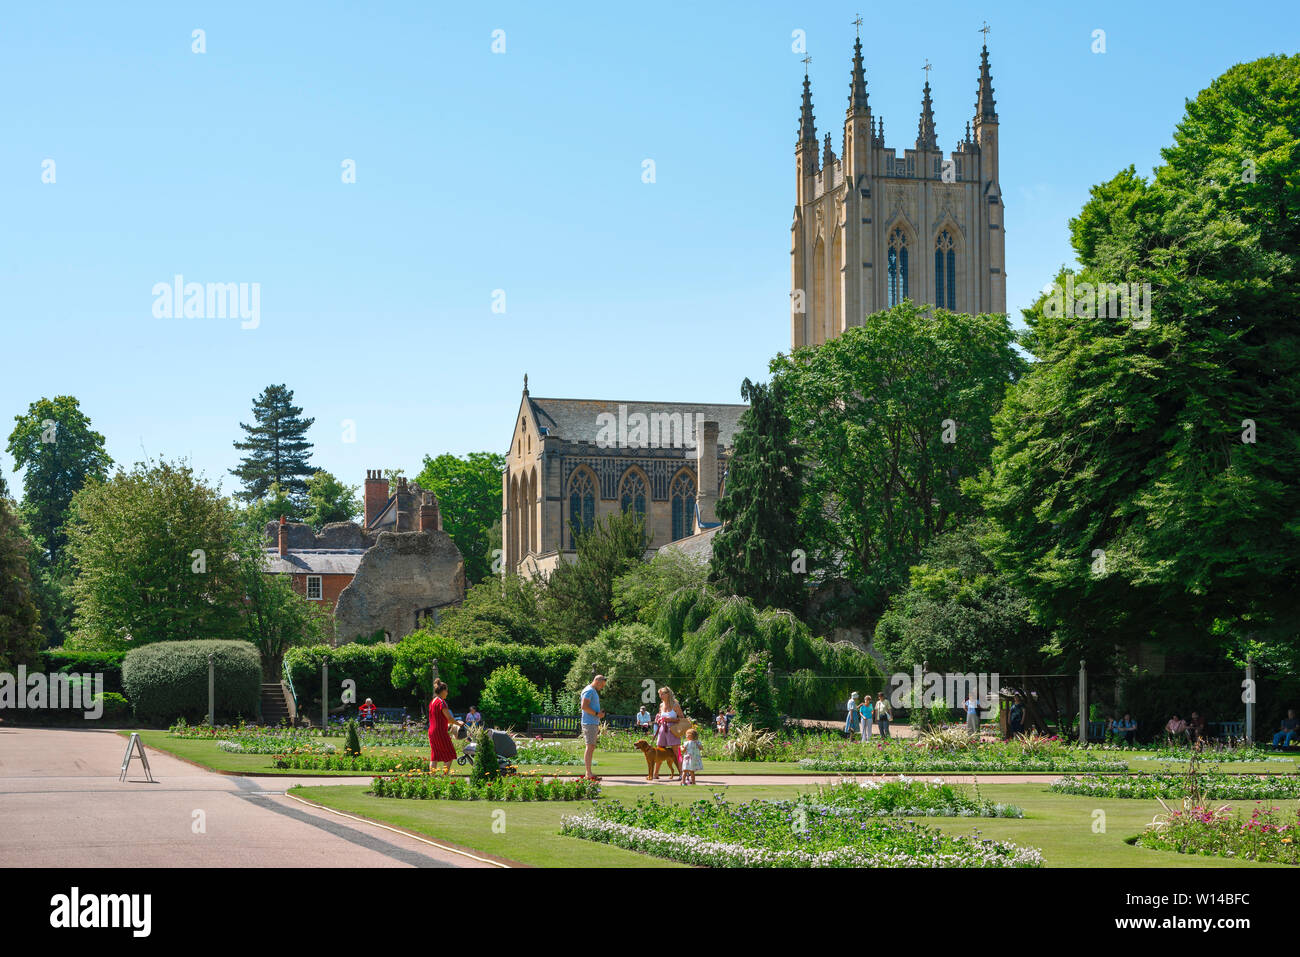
pixel 441 750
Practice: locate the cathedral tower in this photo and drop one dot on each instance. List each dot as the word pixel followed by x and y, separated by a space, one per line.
pixel 872 228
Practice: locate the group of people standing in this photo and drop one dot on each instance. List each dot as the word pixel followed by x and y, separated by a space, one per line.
pixel 863 714
pixel 672 729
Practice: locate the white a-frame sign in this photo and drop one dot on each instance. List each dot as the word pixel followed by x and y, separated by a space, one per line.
pixel 137 747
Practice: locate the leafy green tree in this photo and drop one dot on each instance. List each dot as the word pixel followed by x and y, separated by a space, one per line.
pixel 469 497
pixel 960 614
pixel 508 698
pixel 753 694
pixel 627 655
pixel 640 592
pixel 1146 480
pixel 59 453
pixel 504 610
pixel 276 446
pixel 156 553
pixel 892 415
pixel 580 595
pixel 712 636
pixel 276 503
pixel 413 659
pixel 20 630
pixel 329 500
pixel 754 554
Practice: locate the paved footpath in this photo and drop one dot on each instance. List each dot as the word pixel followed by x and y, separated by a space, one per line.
pixel 61 805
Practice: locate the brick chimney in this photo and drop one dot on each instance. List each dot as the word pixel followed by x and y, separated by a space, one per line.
pixel 706 475
pixel 284 537
pixel 430 515
pixel 376 494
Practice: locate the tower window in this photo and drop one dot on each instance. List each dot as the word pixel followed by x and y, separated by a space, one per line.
pixel 683 497
pixel 945 272
pixel 897 267
pixel 582 505
pixel 632 495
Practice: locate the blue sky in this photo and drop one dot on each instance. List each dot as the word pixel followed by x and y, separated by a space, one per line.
pixel 478 171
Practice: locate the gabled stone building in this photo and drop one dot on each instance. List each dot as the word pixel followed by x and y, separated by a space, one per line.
pixel 386 574
pixel 572 462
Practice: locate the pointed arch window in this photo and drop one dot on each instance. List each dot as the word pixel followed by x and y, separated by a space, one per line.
pixel 897 267
pixel 682 494
pixel 631 494
pixel 945 272
pixel 582 505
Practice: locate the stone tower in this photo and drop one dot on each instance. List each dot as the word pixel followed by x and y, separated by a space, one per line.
pixel 872 228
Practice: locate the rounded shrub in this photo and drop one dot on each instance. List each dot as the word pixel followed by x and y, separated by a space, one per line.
pixel 486 767
pixel 508 698
pixel 115 707
pixel 166 680
pixel 626 655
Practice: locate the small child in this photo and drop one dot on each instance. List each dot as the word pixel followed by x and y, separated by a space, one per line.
pixel 691 759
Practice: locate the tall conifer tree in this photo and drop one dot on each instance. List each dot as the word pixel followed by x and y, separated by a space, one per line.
pixel 277 447
pixel 754 552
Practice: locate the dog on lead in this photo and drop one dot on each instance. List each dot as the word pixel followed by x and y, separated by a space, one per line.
pixel 654 757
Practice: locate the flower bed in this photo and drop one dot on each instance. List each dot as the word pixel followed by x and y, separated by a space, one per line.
pixel 365 763
pixel 548 754
pixel 523 787
pixel 921 762
pixel 1269 835
pixel 784 834
pixel 1213 784
pixel 385 736
pixel 1215 755
pixel 905 798
pixel 273 746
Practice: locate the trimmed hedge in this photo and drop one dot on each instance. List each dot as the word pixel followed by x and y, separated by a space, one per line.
pixel 107 663
pixel 545 667
pixel 370 666
pixel 166 680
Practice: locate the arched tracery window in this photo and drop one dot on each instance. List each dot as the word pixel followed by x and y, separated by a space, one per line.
pixel 897 267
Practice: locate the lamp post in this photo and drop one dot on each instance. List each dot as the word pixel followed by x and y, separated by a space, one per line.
pixel 212 691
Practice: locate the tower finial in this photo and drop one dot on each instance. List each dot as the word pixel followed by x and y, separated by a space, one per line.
pixel 858 23
pixel 925 138
pixel 525 383
pixel 858 83
pixel 985 108
pixel 828 156
pixel 807 122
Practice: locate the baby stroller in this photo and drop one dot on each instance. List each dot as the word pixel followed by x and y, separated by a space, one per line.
pixel 502 743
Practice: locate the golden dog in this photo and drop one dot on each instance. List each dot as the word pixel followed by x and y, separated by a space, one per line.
pixel 654 757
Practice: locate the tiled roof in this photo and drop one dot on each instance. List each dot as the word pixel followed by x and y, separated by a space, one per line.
pixel 314 561
pixel 577 420
pixel 698 546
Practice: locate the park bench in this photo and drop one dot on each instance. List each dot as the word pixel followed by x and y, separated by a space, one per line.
pixel 395 715
pixel 568 723
pixel 1227 730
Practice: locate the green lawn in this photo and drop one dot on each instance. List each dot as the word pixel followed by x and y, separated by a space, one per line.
pixel 206 753
pixel 1060 825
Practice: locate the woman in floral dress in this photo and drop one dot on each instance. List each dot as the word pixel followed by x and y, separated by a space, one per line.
pixel 441 750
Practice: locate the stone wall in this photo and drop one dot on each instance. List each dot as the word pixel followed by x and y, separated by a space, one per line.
pixel 403 573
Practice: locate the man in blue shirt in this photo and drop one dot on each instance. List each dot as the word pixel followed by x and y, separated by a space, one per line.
pixel 589 702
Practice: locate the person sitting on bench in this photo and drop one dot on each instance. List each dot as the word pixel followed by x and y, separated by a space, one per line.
pixel 1290 727
pixel 473 718
pixel 367 712
pixel 644 723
